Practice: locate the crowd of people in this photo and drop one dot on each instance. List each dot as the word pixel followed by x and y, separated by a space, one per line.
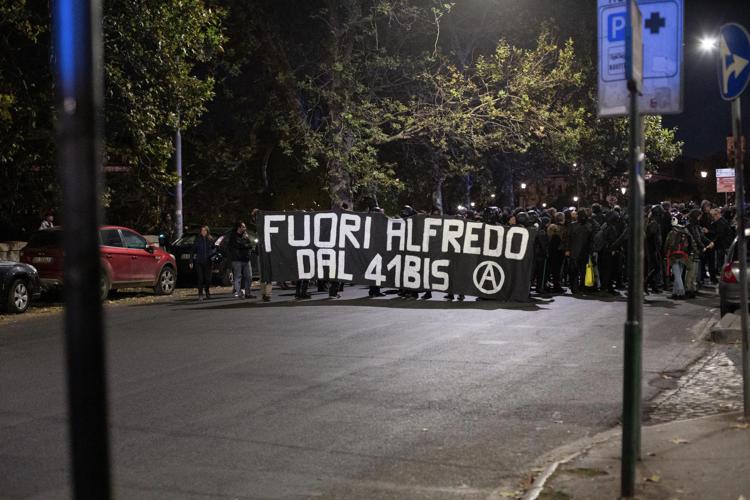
pixel 576 249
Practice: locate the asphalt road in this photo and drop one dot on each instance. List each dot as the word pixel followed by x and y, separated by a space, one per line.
pixel 355 398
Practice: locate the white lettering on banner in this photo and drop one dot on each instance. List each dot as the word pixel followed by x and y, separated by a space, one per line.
pixel 429 232
pixel 471 237
pixel 343 275
pixel 392 231
pixel 368 228
pixel 305 272
pixel 426 277
pixel 497 251
pixel 395 263
pixel 452 231
pixel 268 230
pixel 374 270
pixel 412 264
pixel 524 234
pixel 410 246
pixel 327 258
pixel 349 225
pixel 441 275
pixel 331 241
pixel 305 241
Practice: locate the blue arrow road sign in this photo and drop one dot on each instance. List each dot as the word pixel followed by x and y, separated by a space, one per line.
pixel 734 60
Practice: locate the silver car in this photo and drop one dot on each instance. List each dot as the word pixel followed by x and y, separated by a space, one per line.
pixel 729 280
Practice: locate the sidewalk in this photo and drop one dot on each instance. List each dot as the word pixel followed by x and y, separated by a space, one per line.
pixel 704 458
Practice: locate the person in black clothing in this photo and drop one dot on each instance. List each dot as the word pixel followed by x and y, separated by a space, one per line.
pixel 578 248
pixel 240 247
pixel 708 261
pixel 609 242
pixel 375 291
pixel 200 260
pixel 702 244
pixel 722 238
pixel 654 247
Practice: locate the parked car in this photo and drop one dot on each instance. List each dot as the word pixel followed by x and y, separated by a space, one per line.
pixel 222 268
pixel 127 260
pixel 181 248
pixel 19 285
pixel 729 282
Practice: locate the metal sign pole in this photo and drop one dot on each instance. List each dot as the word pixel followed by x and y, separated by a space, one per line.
pixel 631 399
pixel 739 179
pixel 78 75
pixel 631 407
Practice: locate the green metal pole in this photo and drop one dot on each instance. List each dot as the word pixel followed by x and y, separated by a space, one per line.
pixel 631 407
pixel 739 179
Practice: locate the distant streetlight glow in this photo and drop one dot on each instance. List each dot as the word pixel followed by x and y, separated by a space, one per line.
pixel 575 199
pixel 544 205
pixel 704 174
pixel 523 185
pixel 623 190
pixel 575 164
pixel 473 204
pixel 708 43
pixel 492 196
pixel 460 207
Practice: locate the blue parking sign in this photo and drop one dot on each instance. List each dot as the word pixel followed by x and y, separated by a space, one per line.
pixel 662 30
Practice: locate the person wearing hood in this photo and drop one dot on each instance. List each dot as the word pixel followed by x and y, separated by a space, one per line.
pixel 556 251
pixel 653 247
pixel 608 242
pixel 679 249
pixel 578 249
pixel 702 244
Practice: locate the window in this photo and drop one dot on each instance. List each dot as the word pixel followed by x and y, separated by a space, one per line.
pixel 133 240
pixel 110 238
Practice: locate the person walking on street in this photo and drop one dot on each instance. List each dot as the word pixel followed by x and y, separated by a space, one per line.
pixel 200 260
pixel 722 238
pixel 679 249
pixel 240 247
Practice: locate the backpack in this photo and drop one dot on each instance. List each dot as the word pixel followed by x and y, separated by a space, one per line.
pixel 681 243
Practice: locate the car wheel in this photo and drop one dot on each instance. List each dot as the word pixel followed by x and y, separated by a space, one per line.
pixel 166 283
pixel 19 297
pixel 104 286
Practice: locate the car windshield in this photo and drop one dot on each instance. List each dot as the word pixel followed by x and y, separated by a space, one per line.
pixel 188 239
pixel 45 239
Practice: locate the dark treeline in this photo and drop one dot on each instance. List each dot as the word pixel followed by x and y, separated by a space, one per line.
pixel 289 104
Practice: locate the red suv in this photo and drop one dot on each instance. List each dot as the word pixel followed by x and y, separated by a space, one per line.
pixel 127 259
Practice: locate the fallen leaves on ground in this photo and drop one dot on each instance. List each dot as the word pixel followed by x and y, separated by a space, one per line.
pixel 653 478
pixel 679 441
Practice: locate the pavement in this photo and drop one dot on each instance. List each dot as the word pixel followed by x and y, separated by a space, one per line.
pixel 351 398
pixel 704 458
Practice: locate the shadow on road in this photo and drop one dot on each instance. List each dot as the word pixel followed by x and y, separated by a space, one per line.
pixel 397 303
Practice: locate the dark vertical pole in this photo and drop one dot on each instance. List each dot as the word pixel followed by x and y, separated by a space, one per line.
pixel 179 222
pixel 631 408
pixel 78 72
pixel 739 188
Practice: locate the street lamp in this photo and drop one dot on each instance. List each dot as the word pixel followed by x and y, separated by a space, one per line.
pixel 708 43
pixel 544 205
pixel 704 174
pixel 473 204
pixel 492 196
pixel 523 185
pixel 575 199
pixel 575 164
pixel 623 190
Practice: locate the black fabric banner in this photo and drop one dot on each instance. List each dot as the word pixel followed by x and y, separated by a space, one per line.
pixel 445 254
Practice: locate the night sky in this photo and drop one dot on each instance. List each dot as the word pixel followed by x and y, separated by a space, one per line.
pixel 705 122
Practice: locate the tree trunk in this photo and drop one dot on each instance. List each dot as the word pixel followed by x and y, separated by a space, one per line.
pixel 437 194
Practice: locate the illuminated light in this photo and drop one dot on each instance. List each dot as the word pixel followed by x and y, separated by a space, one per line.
pixel 544 205
pixel 623 190
pixel 523 185
pixel 704 174
pixel 473 204
pixel 708 43
pixel 492 196
pixel 575 199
